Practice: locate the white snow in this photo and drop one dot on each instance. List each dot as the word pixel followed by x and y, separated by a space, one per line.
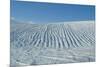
pixel 35 44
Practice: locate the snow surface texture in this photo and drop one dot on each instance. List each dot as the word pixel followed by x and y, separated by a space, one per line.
pixel 56 43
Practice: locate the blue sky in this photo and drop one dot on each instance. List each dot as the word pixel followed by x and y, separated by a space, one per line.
pixel 37 12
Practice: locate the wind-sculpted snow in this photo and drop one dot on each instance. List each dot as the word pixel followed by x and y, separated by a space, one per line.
pixel 34 44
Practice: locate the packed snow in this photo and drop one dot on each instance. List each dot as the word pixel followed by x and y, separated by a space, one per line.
pixel 53 43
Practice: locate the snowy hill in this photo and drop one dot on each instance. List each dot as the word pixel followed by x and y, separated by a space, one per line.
pixel 33 44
